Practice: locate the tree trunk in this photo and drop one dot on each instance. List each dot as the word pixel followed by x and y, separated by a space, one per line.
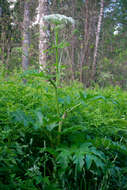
pixel 43 38
pixel 93 72
pixel 2 46
pixel 86 33
pixel 89 38
pixel 73 43
pixel 8 53
pixel 26 36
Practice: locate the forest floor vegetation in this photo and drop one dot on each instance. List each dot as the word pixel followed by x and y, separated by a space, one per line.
pixel 76 140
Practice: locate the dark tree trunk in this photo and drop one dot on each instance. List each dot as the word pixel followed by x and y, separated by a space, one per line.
pixel 91 12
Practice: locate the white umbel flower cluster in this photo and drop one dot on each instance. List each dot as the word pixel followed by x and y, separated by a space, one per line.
pixel 12 6
pixel 12 3
pixel 116 32
pixel 59 19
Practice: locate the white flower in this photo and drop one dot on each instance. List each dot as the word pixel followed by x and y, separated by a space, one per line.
pixel 12 1
pixel 34 169
pixel 12 6
pixel 58 19
pixel 13 24
pixel 116 33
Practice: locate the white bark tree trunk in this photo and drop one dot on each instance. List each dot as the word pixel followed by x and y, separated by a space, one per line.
pixel 97 40
pixel 43 10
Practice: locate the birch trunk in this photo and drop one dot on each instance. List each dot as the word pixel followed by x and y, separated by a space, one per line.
pixel 73 43
pixel 26 37
pixel 43 10
pixel 93 72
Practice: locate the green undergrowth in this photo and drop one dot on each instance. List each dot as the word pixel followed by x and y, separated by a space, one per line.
pixel 89 152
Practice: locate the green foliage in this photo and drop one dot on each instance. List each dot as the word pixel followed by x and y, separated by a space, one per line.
pixel 91 154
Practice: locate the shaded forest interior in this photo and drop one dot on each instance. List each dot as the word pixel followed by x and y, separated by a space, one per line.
pixel 95 52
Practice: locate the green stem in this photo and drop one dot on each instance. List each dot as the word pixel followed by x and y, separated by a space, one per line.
pixel 57 108
pixel 57 82
pixel 57 103
pixel 58 114
pixel 57 58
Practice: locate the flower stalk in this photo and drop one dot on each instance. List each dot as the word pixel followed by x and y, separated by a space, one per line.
pixel 59 22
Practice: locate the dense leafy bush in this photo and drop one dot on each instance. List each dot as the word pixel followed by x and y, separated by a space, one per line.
pixel 89 152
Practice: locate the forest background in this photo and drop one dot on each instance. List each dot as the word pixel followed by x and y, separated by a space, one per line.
pixel 96 50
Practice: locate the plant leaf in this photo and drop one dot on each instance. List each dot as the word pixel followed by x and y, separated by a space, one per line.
pixel 88 161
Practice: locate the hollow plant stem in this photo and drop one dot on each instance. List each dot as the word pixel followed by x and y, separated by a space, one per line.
pixel 57 82
pixel 57 58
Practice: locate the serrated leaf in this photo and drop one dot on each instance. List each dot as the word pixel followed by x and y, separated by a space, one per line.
pixel 98 97
pixel 20 117
pixel 97 153
pixel 39 118
pixel 85 146
pixel 72 129
pixel 88 161
pixel 64 157
pixel 78 160
pixel 98 162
